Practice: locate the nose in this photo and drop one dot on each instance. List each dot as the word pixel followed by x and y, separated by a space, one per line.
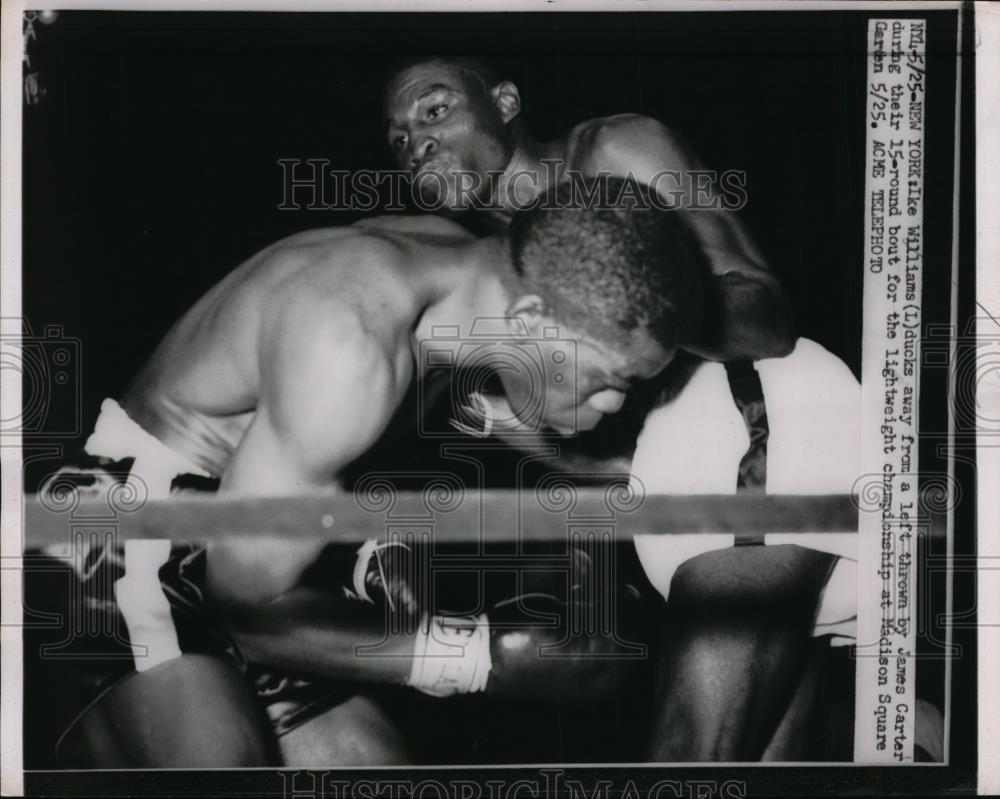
pixel 608 401
pixel 421 148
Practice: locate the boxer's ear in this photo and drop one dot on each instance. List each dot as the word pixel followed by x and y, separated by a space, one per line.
pixel 507 99
pixel 525 316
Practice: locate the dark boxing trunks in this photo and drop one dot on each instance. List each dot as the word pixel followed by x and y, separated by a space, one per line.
pixel 101 610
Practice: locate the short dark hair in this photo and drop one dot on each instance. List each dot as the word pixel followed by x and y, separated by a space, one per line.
pixel 478 71
pixel 612 265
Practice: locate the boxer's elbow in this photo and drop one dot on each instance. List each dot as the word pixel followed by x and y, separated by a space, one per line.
pixel 764 324
pixel 247 618
pixel 770 329
pixel 751 320
pixel 244 577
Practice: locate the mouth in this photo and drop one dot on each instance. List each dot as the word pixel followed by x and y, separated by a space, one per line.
pixel 435 164
pixel 433 182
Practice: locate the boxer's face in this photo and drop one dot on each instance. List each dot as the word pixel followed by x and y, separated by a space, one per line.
pixel 577 380
pixel 441 126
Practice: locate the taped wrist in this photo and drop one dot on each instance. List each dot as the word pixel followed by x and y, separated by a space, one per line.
pixel 451 655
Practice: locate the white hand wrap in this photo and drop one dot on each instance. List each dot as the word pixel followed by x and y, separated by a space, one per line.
pixel 451 655
pixel 479 409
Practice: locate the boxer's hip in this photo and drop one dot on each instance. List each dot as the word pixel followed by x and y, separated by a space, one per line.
pixel 122 607
pixel 127 607
pixel 120 453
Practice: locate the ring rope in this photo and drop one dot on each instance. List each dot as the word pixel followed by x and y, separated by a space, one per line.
pixel 493 516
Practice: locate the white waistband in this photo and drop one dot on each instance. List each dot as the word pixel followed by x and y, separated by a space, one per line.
pixel 117 436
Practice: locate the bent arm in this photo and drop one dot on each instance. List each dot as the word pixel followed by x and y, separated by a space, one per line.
pixel 313 629
pixel 327 392
pixel 750 317
pixel 307 630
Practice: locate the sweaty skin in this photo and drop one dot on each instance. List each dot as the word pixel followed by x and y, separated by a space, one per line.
pixel 297 363
pixel 289 369
pixel 440 122
pixel 293 365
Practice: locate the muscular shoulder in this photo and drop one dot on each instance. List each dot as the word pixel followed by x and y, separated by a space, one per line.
pixel 627 143
pixel 339 261
pixel 315 261
pixel 328 244
pixel 319 344
pixel 335 282
pixel 419 225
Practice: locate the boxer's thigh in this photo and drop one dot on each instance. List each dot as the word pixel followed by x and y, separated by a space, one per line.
pixel 819 722
pixel 191 712
pixel 736 641
pixel 355 732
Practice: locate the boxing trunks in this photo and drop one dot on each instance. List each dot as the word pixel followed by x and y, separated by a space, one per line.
pixel 127 606
pixel 781 425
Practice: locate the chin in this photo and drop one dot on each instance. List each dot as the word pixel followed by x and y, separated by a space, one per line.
pixel 431 197
pixel 438 186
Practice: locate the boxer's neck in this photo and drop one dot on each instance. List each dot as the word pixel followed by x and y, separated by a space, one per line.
pixel 475 288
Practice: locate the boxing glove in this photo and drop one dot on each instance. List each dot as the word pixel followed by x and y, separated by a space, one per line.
pixel 554 632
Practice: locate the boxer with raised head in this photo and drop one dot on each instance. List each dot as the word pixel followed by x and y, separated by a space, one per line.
pixel 280 377
pixel 456 125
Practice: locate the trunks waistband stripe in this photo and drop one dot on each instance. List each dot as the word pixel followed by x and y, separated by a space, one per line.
pixel 117 436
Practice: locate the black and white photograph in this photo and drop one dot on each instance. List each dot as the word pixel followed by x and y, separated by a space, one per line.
pixel 528 399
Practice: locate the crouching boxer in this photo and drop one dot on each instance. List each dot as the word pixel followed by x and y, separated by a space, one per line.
pixel 282 376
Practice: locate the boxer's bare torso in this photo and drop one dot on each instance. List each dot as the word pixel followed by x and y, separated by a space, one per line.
pixel 335 296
